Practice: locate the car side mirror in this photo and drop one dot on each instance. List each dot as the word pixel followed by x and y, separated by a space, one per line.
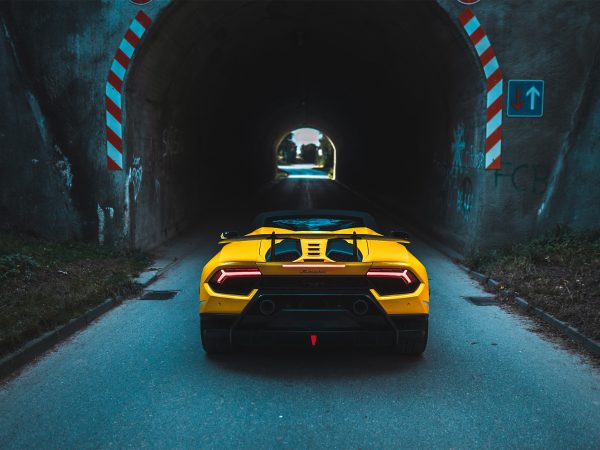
pixel 229 234
pixel 400 235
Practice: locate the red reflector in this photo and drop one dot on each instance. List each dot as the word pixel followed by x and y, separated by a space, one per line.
pixel 223 274
pixel 403 274
pixel 313 339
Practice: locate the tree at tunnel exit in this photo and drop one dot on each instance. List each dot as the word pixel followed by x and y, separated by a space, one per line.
pixel 325 156
pixel 309 153
pixel 286 153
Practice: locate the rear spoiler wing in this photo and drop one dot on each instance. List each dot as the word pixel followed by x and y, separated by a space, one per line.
pixel 300 236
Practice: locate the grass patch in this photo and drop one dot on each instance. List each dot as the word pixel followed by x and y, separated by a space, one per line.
pixel 45 284
pixel 558 272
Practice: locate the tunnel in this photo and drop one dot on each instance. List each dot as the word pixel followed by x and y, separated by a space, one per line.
pixel 215 86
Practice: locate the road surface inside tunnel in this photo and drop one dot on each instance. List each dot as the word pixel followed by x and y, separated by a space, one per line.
pixel 303 171
pixel 138 376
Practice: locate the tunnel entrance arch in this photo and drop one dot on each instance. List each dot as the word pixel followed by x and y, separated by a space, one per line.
pixel 306 152
pixel 210 91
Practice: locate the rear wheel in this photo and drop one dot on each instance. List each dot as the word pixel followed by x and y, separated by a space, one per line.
pixel 413 346
pixel 214 343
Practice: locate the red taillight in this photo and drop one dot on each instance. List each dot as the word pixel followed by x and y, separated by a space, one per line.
pixel 235 280
pixel 403 274
pixel 221 276
pixel 389 281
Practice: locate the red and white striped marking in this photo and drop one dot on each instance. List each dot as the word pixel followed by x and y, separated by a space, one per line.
pixel 493 75
pixel 114 89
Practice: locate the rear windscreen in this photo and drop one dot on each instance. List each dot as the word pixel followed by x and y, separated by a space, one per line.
pixel 314 223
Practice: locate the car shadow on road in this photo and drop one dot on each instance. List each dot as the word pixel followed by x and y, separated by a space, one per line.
pixel 321 364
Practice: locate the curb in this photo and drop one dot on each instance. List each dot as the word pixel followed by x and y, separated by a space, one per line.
pixel 41 344
pixel 36 347
pixel 559 325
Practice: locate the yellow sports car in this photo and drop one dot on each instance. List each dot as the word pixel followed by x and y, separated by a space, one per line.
pixel 314 278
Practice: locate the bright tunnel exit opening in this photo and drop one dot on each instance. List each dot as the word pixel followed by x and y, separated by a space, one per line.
pixel 306 153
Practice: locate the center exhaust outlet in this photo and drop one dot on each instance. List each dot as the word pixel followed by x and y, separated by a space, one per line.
pixel 266 307
pixel 360 307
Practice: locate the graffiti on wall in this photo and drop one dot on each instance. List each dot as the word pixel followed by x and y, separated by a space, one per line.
pixel 458 146
pixel 100 213
pixel 465 160
pixel 464 157
pixel 136 172
pixel 464 198
pixel 531 178
pixel 104 214
pixel 466 163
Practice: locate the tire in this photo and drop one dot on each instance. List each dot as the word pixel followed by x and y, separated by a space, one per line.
pixel 215 345
pixel 414 346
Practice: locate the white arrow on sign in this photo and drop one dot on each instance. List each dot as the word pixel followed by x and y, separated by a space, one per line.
pixel 532 92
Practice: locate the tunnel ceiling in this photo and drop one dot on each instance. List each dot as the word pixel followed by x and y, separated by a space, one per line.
pixel 216 84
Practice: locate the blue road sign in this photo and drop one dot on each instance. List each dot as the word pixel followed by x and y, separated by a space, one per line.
pixel 525 98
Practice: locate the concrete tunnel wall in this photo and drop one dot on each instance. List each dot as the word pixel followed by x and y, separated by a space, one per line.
pixel 53 176
pixel 398 88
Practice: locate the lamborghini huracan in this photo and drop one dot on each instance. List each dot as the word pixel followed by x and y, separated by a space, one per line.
pixel 312 279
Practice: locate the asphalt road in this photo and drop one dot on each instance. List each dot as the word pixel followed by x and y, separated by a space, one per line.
pixel 303 171
pixel 138 377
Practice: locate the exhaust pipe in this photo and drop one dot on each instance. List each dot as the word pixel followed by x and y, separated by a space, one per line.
pixel 266 307
pixel 360 307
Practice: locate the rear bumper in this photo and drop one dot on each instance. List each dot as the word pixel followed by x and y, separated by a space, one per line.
pixel 242 333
